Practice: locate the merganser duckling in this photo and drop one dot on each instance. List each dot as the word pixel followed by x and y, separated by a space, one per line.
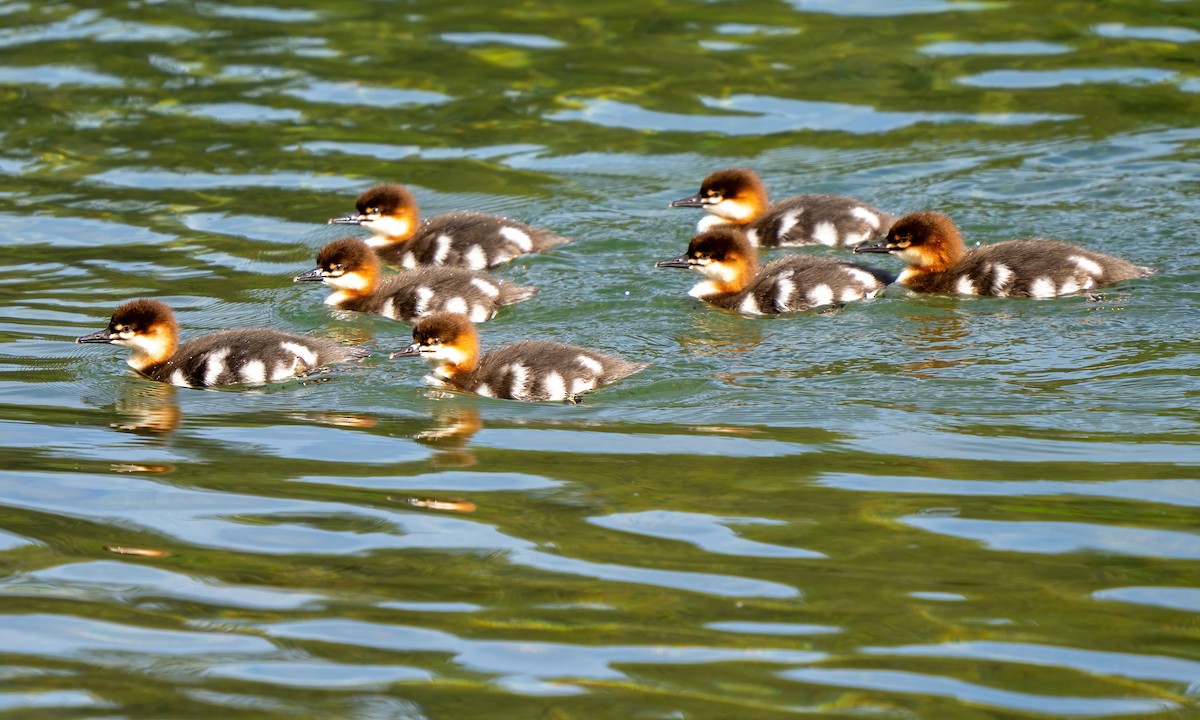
pixel 737 197
pixel 246 356
pixel 795 282
pixel 532 370
pixel 938 262
pixel 466 239
pixel 351 269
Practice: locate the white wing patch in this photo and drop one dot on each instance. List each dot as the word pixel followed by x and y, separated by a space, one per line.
pixel 1042 287
pixel 784 287
pixel 517 237
pixel 752 236
pixel 254 372
pixel 825 233
pixel 863 277
pixel 305 353
pixel 520 376
pixel 866 216
pixel 1087 265
pixel 591 364
pixel 476 257
pixel 965 286
pixel 177 378
pixel 787 222
pixel 485 287
pixel 581 385
pixel 409 260
pixel 1001 274
pixel 421 306
pixel 389 309
pixel 283 371
pixel 441 250
pixel 750 305
pixel 456 305
pixel 485 390
pixel 479 313
pixel 850 293
pixel 214 365
pixel 556 388
pixel 820 295
pixel 1070 285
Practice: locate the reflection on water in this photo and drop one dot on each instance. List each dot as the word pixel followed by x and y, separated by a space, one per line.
pixel 908 507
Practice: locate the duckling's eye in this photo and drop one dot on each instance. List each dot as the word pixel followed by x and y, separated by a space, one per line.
pixel 715 197
pixel 372 211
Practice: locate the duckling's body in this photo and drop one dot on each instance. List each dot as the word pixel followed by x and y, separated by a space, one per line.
pixel 794 282
pixel 246 356
pixel 351 268
pixel 939 262
pixel 738 197
pixel 531 370
pixel 462 239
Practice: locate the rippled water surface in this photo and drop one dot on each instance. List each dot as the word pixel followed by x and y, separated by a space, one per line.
pixel 906 508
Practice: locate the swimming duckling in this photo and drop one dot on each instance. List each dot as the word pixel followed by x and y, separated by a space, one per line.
pixel 247 356
pixel 725 257
pixel 465 239
pixel 737 197
pixel 531 370
pixel 939 262
pixel 351 269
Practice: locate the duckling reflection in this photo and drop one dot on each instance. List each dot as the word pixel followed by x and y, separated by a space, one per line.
pixel 150 408
pixel 450 434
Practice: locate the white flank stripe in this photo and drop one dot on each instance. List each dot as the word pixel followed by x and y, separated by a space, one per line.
pixel 305 353
pixel 484 390
pixel 253 372
pixel 826 234
pixel 820 295
pixel 520 376
pixel 866 216
pixel 389 309
pixel 177 378
pixel 965 286
pixel 441 250
pixel 591 364
pixel 556 389
pixel 214 365
pixel 456 305
pixel 423 296
pixel 480 314
pixel 1089 266
pixel 752 236
pixel 1001 275
pixel 581 385
pixel 750 305
pixel 1069 286
pixel 409 261
pixel 850 293
pixel 787 222
pixel 517 237
pixel 1042 287
pixel 485 287
pixel 862 277
pixel 477 258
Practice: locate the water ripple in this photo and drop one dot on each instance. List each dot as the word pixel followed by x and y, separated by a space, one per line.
pixel 1064 537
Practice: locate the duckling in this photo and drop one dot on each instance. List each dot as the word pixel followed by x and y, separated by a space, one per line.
pixel 465 239
pixel 531 370
pixel 736 196
pixel 247 356
pixel 725 257
pixel 351 269
pixel 939 262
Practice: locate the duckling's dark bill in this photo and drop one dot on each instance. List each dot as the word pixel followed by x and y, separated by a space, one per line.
pixel 675 262
pixel 351 219
pixel 314 275
pixel 413 350
pixel 693 201
pixel 100 336
pixel 879 246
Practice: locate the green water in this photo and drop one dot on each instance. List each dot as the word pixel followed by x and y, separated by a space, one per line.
pixel 907 508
